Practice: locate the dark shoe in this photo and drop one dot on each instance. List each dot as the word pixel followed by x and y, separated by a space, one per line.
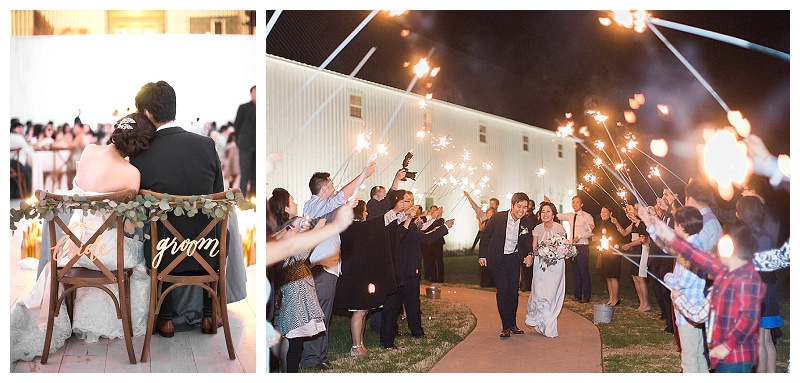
pixel 669 329
pixel 618 301
pixel 516 330
pixel 324 366
pixel 505 333
pixel 164 328
pixel 585 300
pixel 392 347
pixel 207 327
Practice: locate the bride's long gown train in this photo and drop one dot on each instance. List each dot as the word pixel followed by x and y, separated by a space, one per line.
pixel 547 298
pixel 94 312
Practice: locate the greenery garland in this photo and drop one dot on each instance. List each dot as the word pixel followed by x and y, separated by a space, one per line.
pixel 143 208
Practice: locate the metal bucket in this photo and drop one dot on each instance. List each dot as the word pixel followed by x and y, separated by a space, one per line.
pixel 433 292
pixel 603 313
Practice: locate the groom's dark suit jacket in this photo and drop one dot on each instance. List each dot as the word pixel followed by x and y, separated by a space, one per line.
pixel 493 238
pixel 181 163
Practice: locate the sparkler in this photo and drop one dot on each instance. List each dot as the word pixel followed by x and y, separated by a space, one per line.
pixel 642 174
pixel 328 60
pixel 660 164
pixel 655 172
pixel 328 100
pixel 585 190
pixel 615 250
pixel 400 103
pixel 719 37
pixel 272 20
pixel 687 65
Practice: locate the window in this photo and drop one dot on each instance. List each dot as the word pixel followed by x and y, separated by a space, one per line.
pixel 355 106
pixel 525 143
pixel 482 133
pixel 427 123
pixel 560 150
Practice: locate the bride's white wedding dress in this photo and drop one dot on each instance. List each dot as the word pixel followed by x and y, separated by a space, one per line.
pixel 547 289
pixel 94 312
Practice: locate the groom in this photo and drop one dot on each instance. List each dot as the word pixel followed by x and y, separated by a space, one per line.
pixel 177 162
pixel 506 239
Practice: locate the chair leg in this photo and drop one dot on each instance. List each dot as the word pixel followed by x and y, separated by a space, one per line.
pixel 223 308
pixel 151 317
pixel 50 321
pixel 125 308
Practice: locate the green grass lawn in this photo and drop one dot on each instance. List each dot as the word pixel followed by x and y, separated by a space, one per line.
pixel 632 342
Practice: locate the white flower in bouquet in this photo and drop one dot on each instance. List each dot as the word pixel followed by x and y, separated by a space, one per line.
pixel 553 249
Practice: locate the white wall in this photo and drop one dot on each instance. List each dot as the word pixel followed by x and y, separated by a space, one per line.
pixel 54 76
pixel 327 143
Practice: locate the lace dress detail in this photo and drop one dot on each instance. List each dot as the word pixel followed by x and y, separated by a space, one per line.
pixel 94 312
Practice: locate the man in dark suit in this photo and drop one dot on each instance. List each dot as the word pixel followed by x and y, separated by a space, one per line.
pixel 245 127
pixel 433 254
pixel 507 236
pixel 177 162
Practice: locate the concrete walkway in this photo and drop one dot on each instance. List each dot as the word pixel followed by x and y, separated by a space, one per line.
pixel 576 349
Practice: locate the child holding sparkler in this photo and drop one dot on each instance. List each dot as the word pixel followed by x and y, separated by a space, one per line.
pixel 734 302
pixel 690 282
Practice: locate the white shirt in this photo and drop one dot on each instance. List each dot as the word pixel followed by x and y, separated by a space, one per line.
pixel 512 235
pixel 327 252
pixel 583 225
pixel 170 124
pixel 18 141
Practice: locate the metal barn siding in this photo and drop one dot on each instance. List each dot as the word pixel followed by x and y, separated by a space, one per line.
pixel 327 143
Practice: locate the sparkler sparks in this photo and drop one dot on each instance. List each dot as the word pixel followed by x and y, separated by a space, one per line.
pixel 664 109
pixel 421 133
pixel 422 68
pixel 362 141
pixel 435 71
pixel 441 142
pixel 422 104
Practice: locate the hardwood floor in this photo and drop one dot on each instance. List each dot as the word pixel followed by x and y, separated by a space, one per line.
pixel 186 352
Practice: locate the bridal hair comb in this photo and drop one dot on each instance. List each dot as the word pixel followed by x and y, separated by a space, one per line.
pixel 125 124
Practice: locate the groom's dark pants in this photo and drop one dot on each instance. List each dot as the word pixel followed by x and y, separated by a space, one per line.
pixel 505 271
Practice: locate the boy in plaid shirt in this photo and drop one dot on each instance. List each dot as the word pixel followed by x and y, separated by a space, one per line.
pixel 733 306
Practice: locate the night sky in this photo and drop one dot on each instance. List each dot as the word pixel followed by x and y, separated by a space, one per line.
pixel 533 66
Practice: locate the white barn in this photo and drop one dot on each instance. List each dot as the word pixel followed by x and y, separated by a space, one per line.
pixel 314 118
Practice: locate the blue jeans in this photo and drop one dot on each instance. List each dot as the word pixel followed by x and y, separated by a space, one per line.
pixel 740 367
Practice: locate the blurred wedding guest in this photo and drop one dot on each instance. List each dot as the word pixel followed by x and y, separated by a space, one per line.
pixel 607 235
pixel 325 260
pixel 298 314
pixel 638 238
pixel 24 159
pixel 45 137
pixel 581 226
pixel 367 272
pixel 750 211
pixel 245 126
pixel 221 140
pixel 230 166
pixel 410 267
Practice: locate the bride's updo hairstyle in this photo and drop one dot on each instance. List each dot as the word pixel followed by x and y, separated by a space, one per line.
pixel 132 134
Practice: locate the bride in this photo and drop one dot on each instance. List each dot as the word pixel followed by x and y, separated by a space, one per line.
pixel 547 288
pixel 102 169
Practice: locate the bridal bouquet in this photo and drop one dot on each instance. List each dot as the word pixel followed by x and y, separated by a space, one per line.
pixel 552 249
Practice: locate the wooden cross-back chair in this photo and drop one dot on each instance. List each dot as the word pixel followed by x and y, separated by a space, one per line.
pixel 74 277
pixel 212 281
pixel 17 175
